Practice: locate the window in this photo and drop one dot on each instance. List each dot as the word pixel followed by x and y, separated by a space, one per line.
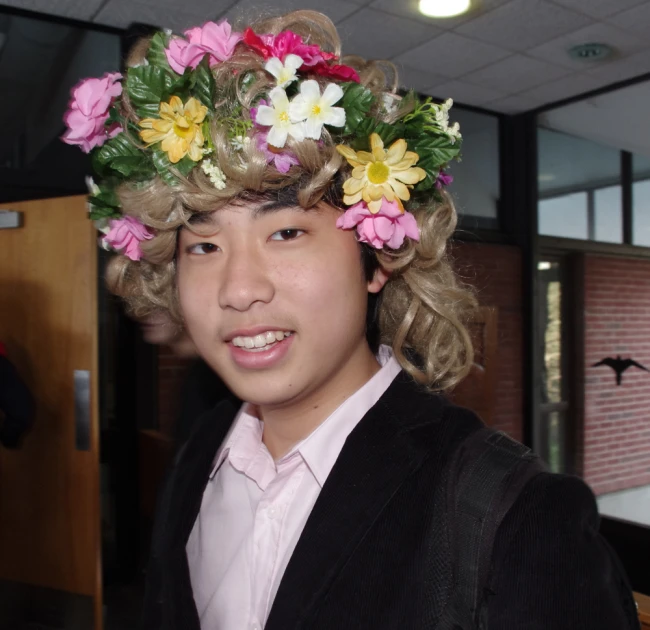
pixel 641 201
pixel 579 188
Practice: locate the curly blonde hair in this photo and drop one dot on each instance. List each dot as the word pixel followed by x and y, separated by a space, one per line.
pixel 423 308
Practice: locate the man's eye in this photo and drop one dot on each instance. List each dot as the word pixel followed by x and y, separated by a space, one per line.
pixel 202 248
pixel 287 235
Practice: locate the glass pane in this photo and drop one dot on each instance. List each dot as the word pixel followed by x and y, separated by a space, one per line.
pixel 554 424
pixel 41 61
pixel 579 188
pixel 551 313
pixel 641 201
pixel 476 178
pixel 564 216
pixel 608 214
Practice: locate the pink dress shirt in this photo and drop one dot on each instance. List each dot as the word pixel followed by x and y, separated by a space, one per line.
pixel 254 509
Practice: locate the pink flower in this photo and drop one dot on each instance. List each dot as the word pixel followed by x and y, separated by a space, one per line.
pixel 88 113
pixel 126 234
pixel 216 40
pixel 286 43
pixel 388 227
pixel 283 159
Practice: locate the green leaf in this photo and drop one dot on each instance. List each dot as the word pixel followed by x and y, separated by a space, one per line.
pixel 434 152
pixel 119 155
pixel 203 84
pixel 357 101
pixel 156 53
pixel 146 87
pixel 164 166
pixel 369 125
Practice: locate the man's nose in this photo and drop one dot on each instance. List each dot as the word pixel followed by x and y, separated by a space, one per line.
pixel 246 281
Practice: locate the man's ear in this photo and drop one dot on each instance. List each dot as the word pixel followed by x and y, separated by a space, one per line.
pixel 379 279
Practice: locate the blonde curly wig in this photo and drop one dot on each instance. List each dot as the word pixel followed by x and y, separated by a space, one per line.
pixel 423 308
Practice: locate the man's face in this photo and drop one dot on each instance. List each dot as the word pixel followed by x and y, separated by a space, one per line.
pixel 274 300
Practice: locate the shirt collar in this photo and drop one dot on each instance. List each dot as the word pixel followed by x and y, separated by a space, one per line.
pixel 321 448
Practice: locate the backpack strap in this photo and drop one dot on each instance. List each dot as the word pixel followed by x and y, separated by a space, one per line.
pixel 487 475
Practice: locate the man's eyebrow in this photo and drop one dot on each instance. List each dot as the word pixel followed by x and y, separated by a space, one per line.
pixel 276 206
pixel 201 218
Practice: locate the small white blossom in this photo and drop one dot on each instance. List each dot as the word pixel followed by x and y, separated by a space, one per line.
pixel 277 117
pixel 214 173
pixel 239 142
pixel 315 109
pixel 284 73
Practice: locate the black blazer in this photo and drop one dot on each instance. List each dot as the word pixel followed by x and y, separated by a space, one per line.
pixel 375 551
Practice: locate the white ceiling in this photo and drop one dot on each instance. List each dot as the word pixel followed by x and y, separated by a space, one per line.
pixel 505 55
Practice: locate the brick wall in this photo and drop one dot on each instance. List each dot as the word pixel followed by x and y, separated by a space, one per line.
pixel 617 418
pixel 495 272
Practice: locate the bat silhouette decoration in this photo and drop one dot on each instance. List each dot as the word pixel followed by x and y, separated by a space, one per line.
pixel 619 366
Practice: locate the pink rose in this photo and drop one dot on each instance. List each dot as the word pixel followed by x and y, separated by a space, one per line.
pixel 216 40
pixel 125 235
pixel 388 227
pixel 286 43
pixel 88 113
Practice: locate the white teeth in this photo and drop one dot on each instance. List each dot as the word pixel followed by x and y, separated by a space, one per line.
pixel 260 341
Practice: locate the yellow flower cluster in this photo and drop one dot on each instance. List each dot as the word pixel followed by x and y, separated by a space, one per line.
pixel 178 129
pixel 381 173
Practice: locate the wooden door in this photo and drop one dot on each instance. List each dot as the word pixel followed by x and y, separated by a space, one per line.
pixel 49 488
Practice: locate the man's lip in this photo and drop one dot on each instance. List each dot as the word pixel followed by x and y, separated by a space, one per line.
pixel 251 332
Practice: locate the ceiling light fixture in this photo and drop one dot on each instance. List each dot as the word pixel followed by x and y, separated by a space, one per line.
pixel 444 8
pixel 590 52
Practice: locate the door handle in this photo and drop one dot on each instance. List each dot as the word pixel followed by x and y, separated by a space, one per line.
pixel 82 409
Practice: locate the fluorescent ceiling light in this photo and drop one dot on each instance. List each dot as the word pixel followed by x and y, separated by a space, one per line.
pixel 444 8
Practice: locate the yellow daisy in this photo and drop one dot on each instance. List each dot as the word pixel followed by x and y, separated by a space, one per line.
pixel 178 128
pixel 381 173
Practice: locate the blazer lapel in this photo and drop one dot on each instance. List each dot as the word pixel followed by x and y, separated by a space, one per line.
pixel 377 457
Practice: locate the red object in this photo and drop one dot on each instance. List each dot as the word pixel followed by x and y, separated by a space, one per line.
pixel 345 73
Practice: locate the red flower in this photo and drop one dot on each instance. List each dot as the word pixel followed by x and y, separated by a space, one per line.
pixel 344 73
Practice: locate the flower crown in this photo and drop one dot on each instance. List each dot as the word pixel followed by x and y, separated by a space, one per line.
pixel 176 99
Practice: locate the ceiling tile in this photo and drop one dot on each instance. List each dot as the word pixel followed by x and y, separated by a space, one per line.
pixel 632 66
pixel 247 11
pixel 513 104
pixel 572 85
pixel 451 55
pixel 636 20
pixel 210 8
pixel 409 8
pixel 598 8
pixel 464 93
pixel 522 24
pixel 75 9
pixel 556 51
pixel 378 35
pixel 413 78
pixel 121 14
pixel 516 74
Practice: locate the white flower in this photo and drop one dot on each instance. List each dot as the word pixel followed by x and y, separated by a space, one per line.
pixel 284 73
pixel 453 132
pixel 278 118
pixel 215 174
pixel 316 110
pixel 239 142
